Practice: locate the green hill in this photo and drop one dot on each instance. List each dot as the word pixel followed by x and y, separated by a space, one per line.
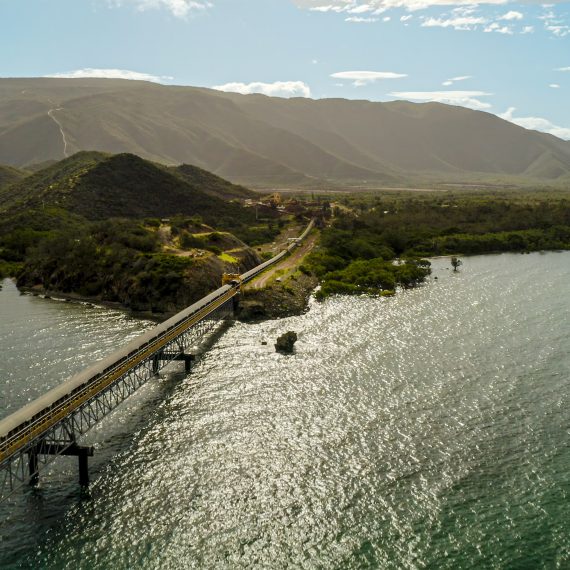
pixel 121 229
pixel 99 186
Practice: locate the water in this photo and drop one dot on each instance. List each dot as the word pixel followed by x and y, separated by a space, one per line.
pixel 430 430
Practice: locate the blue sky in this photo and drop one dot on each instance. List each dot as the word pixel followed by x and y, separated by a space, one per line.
pixel 507 58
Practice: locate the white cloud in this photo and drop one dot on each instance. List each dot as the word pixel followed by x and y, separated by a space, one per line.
pixel 360 20
pixel 554 23
pixel 512 15
pixel 452 80
pixel 379 6
pixel 536 124
pixel 386 18
pixel 554 86
pixel 276 89
pixel 494 27
pixel 528 30
pixel 461 98
pixel 463 23
pixel 560 31
pixel 362 9
pixel 406 18
pixel 563 69
pixel 360 78
pixel 111 74
pixel 179 8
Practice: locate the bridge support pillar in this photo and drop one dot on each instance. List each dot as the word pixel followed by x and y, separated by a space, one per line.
pixel 187 358
pixel 33 468
pixel 46 448
pixel 83 469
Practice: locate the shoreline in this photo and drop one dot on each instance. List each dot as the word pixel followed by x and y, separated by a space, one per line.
pixel 93 301
pixel 273 302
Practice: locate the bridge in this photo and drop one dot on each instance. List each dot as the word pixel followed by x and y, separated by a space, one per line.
pixel 51 425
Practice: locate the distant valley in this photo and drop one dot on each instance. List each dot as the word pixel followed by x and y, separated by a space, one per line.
pixel 269 142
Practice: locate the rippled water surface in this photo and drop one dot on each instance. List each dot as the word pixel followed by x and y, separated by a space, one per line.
pixel 430 430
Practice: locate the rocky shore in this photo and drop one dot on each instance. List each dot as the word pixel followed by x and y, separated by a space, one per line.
pixel 277 300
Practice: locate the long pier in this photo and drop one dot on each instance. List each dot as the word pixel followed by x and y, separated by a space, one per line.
pixel 51 425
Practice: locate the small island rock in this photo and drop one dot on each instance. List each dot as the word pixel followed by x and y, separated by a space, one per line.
pixel 285 342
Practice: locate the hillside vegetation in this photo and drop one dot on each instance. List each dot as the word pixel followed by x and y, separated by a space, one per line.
pixel 117 228
pixel 266 141
pixel 123 261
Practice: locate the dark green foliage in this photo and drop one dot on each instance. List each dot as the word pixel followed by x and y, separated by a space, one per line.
pixel 353 252
pixel 455 263
pixel 189 241
pixel 23 230
pixel 120 261
pixel 523 240
pixel 373 276
pixel 9 269
pixel 443 224
pixel 252 235
pixel 114 260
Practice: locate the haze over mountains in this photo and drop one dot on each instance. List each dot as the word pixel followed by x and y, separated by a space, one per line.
pixel 265 142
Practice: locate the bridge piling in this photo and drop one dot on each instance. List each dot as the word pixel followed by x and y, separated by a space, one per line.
pixel 34 475
pixel 83 469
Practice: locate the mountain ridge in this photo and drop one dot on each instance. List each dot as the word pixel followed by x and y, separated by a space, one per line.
pixel 267 141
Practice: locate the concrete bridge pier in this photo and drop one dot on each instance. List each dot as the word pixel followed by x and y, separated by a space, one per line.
pixel 235 303
pixel 187 358
pixel 44 448
pixel 34 476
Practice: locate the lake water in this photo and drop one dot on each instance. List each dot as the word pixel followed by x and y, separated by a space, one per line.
pixel 428 430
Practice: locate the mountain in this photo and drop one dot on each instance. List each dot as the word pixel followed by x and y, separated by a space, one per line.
pixel 99 186
pixel 267 141
pixel 9 175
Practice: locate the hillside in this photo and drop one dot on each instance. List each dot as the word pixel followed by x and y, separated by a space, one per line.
pixel 270 142
pixel 120 229
pixel 9 175
pixel 98 186
pixel 210 184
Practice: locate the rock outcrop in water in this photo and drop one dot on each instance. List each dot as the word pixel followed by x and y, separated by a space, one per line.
pixel 286 342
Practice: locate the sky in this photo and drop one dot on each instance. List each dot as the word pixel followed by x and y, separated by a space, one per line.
pixel 507 58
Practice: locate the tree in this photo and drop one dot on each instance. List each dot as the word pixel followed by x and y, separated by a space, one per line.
pixel 456 262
